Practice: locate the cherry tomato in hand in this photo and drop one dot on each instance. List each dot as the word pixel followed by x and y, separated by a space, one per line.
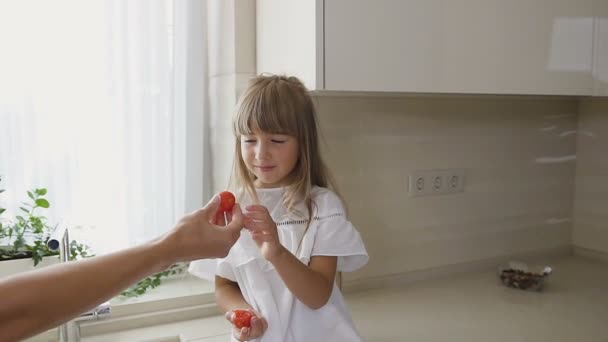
pixel 242 318
pixel 227 201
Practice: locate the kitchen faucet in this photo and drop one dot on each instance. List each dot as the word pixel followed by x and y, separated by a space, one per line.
pixel 70 331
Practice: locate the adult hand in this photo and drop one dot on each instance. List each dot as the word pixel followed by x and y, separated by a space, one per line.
pixel 197 236
pixel 35 301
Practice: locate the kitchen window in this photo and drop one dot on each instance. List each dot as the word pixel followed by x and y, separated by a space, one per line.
pixel 103 103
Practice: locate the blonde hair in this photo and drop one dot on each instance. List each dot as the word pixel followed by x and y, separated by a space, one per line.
pixel 281 105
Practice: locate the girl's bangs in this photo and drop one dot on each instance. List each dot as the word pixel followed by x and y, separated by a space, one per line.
pixel 261 113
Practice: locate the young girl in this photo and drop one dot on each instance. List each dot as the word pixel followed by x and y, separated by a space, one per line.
pixel 283 267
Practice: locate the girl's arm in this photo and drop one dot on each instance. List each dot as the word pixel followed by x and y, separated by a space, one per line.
pixel 311 284
pixel 228 295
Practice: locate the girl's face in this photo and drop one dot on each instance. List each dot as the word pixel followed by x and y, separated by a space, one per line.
pixel 271 157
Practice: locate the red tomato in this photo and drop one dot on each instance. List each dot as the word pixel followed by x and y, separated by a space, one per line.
pixel 226 201
pixel 242 318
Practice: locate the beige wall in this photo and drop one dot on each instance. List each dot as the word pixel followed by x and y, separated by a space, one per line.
pixel 590 229
pixel 518 195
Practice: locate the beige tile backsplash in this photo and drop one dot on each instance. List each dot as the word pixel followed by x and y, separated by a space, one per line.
pixel 590 229
pixel 522 157
pixel 517 153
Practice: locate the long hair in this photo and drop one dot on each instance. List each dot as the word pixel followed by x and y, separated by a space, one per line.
pixel 281 105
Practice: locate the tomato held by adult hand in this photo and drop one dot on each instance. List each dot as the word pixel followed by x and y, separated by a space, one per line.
pixel 227 201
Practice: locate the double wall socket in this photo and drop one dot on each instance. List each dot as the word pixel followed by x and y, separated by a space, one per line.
pixel 436 182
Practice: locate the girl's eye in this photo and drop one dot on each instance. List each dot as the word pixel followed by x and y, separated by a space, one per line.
pixel 277 141
pixel 249 141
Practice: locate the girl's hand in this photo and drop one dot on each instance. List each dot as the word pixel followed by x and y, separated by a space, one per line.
pixel 257 328
pixel 263 230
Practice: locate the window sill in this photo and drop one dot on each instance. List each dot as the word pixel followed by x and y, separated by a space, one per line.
pixel 171 288
pixel 207 329
pixel 177 299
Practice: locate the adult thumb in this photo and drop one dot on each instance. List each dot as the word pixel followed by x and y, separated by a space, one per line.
pixel 211 207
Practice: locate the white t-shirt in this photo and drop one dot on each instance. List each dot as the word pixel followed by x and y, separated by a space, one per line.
pixel 329 234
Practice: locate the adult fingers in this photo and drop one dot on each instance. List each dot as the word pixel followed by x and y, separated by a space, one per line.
pixel 211 208
pixel 236 222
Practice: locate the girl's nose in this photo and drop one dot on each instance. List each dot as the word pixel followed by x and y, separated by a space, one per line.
pixel 261 152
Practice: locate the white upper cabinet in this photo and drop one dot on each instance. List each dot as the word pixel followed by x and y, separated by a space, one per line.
pixel 600 49
pixel 549 47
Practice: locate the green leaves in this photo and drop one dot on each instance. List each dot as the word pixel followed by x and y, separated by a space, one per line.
pixel 41 202
pixel 1 211
pixel 79 251
pixel 154 280
pixel 39 250
pixel 36 196
pixel 29 232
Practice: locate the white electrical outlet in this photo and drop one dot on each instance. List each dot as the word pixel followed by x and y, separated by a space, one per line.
pixel 437 178
pixel 455 180
pixel 436 182
pixel 418 184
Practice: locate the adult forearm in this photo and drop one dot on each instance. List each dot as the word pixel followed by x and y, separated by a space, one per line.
pixel 66 290
pixel 41 299
pixel 309 286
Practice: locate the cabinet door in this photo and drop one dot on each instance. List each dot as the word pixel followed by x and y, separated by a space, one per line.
pixel 600 64
pixel 462 46
pixel 289 39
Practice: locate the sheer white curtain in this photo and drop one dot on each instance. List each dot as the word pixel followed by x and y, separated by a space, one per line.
pixel 102 103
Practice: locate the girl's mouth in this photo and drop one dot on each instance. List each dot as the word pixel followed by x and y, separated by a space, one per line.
pixel 265 168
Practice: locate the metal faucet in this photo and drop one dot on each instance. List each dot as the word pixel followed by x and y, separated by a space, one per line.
pixel 70 331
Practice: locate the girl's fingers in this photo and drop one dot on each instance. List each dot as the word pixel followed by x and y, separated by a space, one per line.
pixel 260 237
pixel 256 230
pixel 257 216
pixel 257 208
pixel 256 226
pixel 264 219
pixel 238 333
pixel 256 327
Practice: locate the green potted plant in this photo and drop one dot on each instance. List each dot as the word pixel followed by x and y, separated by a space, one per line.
pixel 23 244
pixel 23 239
